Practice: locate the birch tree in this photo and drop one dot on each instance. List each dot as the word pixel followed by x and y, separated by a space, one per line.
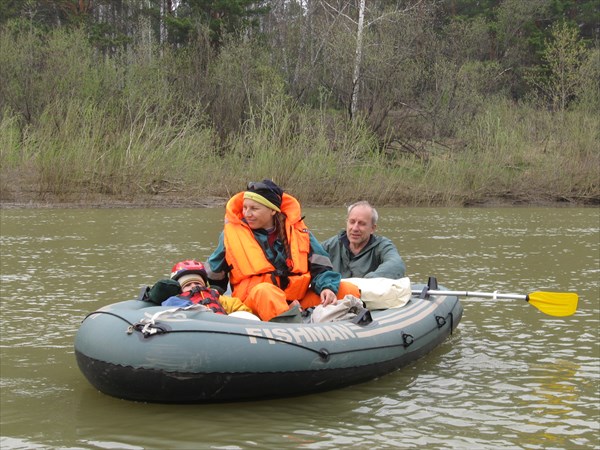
pixel 559 78
pixel 361 26
pixel 357 60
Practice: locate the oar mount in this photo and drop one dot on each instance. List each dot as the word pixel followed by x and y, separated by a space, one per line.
pixel 432 284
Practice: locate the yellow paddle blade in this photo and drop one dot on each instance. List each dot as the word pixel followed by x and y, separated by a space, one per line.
pixel 554 303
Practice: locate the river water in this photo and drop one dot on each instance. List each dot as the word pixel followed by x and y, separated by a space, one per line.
pixel 510 378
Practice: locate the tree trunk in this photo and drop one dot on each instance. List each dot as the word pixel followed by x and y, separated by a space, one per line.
pixel 357 62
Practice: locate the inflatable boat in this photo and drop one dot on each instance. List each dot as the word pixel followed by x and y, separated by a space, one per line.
pixel 136 351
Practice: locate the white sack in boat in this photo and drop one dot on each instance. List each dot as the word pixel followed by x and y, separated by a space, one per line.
pixel 383 293
pixel 344 309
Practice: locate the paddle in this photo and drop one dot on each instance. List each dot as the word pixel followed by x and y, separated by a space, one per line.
pixel 551 303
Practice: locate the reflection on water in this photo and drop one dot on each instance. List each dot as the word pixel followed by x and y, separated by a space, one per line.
pixel 510 377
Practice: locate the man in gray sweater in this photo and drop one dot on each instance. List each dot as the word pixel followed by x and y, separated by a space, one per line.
pixel 358 252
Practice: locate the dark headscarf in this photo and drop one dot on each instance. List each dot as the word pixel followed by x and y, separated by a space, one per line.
pixel 266 193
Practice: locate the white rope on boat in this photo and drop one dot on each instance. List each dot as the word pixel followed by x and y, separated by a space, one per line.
pixel 150 320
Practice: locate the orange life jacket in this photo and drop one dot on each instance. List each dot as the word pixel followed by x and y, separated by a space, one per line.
pixel 247 260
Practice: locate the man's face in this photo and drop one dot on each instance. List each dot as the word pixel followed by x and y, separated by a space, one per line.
pixel 359 226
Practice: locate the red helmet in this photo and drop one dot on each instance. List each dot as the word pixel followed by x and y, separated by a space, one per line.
pixel 187 267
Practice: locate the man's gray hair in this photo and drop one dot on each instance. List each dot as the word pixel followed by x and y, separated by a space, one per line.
pixel 374 215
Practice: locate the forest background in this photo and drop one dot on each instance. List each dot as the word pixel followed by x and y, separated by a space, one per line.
pixel 400 102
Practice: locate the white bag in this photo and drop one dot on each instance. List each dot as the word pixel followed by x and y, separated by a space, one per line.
pixel 383 293
pixel 344 309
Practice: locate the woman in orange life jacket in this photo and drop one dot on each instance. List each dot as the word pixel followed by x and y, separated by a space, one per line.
pixel 191 275
pixel 270 258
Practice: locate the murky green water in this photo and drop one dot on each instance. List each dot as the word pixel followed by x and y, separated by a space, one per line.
pixel 511 378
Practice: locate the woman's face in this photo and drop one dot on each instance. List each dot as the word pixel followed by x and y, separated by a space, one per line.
pixel 258 216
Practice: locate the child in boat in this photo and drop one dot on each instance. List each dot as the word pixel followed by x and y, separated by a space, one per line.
pixel 192 278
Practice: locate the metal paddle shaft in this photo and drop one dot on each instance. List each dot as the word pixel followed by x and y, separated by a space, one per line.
pixel 472 294
pixel 552 303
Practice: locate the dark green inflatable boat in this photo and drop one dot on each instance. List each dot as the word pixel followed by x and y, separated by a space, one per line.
pixel 148 353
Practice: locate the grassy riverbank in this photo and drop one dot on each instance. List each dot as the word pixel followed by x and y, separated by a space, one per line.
pixel 509 154
pixel 161 126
